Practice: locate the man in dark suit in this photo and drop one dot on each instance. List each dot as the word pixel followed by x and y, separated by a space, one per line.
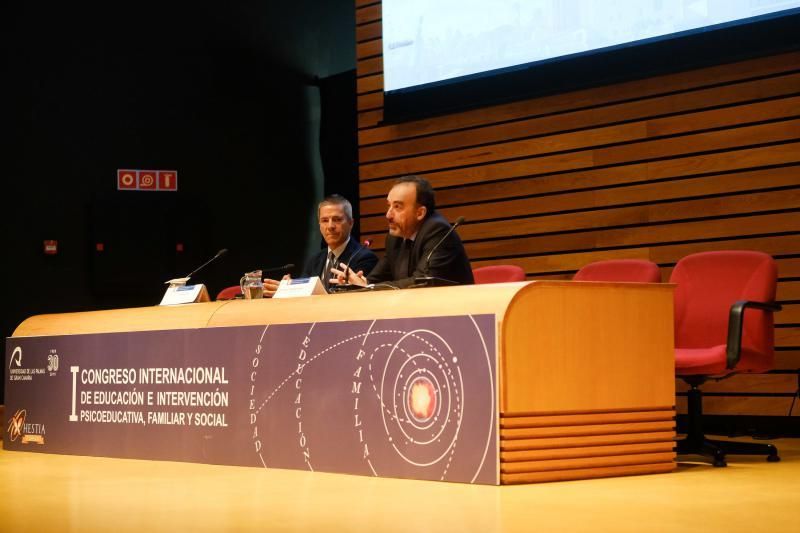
pixel 412 246
pixel 335 215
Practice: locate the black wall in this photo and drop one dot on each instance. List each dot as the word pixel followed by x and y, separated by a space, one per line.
pixel 228 97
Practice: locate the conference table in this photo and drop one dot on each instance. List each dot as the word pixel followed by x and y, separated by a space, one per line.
pixel 493 384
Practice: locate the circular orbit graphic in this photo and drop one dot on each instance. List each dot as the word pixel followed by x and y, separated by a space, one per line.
pixel 417 386
pixel 430 355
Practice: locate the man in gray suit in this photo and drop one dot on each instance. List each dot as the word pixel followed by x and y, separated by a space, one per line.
pixel 335 215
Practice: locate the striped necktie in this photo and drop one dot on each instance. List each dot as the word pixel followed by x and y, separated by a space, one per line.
pixel 326 272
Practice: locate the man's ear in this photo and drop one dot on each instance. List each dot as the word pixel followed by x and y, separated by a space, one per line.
pixel 421 212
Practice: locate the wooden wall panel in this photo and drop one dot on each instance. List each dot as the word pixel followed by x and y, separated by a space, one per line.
pixel 369 49
pixel 611 114
pixel 590 98
pixel 369 84
pixel 517 173
pixel 368 31
pixel 657 168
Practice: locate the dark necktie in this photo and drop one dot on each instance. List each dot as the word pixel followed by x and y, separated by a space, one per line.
pixel 326 271
pixel 404 259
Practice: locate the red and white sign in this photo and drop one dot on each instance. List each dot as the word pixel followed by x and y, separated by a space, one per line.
pixel 147 180
pixel 50 247
pixel 126 179
pixel 167 180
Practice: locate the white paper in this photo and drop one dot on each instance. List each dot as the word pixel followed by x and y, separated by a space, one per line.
pixel 182 294
pixel 292 288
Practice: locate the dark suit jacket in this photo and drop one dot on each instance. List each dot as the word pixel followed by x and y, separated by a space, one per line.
pixel 365 260
pixel 449 261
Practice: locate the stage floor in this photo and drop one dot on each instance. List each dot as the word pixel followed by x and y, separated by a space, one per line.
pixel 40 492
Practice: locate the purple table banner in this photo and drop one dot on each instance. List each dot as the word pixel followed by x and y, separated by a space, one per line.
pixel 410 398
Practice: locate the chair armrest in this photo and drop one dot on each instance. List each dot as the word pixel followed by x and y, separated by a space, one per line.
pixel 735 324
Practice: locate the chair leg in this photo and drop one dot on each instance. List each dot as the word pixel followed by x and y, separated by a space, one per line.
pixel 696 443
pixel 748 448
pixel 706 448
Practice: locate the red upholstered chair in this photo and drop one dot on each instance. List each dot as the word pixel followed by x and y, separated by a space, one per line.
pixel 723 325
pixel 620 270
pixel 229 293
pixel 498 274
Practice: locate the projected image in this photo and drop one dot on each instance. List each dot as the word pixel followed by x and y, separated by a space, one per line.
pixel 427 41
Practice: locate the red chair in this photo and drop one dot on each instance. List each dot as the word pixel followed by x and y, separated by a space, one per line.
pixel 229 293
pixel 498 274
pixel 723 325
pixel 638 270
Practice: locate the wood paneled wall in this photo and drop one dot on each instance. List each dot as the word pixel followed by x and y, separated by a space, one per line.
pixel 656 168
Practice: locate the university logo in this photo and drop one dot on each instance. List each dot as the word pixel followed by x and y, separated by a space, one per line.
pixel 17 372
pixel 16 358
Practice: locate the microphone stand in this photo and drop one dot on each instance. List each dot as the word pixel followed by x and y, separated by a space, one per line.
pixel 431 281
pixel 347 286
pixel 178 282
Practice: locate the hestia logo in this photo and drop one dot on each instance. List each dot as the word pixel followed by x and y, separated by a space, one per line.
pixel 18 426
pixel 15 424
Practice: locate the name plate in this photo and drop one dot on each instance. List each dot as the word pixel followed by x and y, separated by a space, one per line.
pixel 292 288
pixel 185 294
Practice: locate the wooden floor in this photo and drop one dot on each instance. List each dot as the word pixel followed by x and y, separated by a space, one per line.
pixel 41 492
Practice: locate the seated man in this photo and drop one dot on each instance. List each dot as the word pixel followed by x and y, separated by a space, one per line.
pixel 335 215
pixel 415 229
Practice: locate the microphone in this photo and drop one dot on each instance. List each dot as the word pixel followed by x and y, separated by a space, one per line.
pixel 188 276
pixel 457 223
pixel 287 266
pixel 198 269
pixel 427 279
pixel 346 285
pixel 367 244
